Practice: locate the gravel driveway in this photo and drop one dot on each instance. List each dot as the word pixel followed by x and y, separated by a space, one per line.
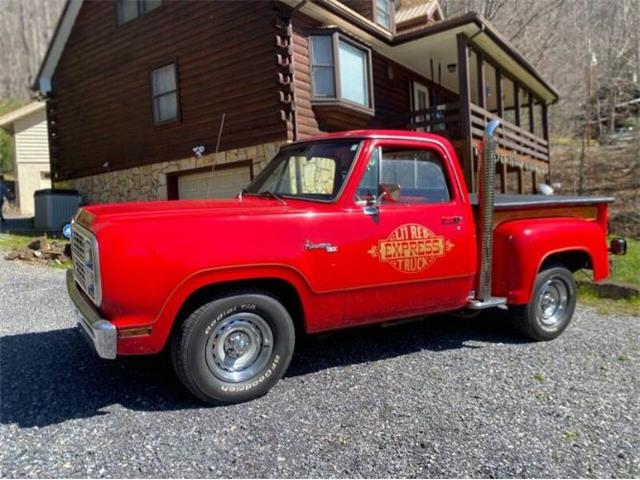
pixel 444 397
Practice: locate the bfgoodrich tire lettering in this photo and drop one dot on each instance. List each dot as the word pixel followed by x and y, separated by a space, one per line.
pixel 551 308
pixel 234 349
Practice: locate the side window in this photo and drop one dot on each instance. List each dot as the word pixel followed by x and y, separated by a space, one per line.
pixel 164 90
pixel 418 175
pixel 130 9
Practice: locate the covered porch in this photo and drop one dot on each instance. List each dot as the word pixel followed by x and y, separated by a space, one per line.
pixel 474 76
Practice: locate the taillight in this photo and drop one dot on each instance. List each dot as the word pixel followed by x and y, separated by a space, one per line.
pixel 618 246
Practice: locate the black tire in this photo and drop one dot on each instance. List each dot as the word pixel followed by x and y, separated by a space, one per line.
pixel 205 345
pixel 532 320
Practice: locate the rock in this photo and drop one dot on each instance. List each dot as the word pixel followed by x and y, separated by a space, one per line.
pixel 40 244
pixel 11 255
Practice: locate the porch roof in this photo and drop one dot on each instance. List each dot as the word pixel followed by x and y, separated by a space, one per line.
pixel 7 120
pixel 415 49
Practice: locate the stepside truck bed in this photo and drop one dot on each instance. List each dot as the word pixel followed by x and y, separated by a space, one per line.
pixel 513 207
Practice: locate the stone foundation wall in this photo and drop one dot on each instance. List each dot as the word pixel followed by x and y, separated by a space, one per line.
pixel 149 182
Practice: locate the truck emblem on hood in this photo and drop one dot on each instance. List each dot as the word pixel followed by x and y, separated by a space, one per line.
pixel 411 248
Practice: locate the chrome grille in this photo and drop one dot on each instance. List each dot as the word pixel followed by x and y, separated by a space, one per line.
pixel 84 255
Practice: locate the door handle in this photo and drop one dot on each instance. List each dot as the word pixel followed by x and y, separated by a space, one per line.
pixel 454 220
pixel 327 247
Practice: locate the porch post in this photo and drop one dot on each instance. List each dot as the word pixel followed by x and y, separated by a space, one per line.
pixel 482 94
pixel 499 101
pixel 531 113
pixel 545 121
pixel 516 97
pixel 503 177
pixel 466 152
pixel 520 181
pixel 545 135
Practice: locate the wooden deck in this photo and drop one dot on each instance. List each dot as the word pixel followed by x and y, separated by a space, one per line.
pixel 520 152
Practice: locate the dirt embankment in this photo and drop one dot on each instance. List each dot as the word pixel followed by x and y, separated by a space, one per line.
pixel 609 170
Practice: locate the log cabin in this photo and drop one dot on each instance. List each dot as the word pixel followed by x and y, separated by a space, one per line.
pixel 145 98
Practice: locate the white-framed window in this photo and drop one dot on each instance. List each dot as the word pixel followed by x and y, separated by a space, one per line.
pixel 323 66
pixel 420 102
pixel 384 13
pixel 130 9
pixel 164 90
pixel 340 70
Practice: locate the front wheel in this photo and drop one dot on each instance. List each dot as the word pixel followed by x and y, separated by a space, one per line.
pixel 551 308
pixel 234 349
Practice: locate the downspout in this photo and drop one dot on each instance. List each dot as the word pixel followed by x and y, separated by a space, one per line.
pixel 294 107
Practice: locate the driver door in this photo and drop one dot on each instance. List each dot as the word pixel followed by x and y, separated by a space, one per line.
pixel 415 255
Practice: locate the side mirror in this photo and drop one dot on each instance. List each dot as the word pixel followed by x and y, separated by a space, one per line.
pixel 386 192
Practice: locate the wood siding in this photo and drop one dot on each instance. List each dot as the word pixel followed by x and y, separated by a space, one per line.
pixel 391 87
pixel 225 54
pixel 363 7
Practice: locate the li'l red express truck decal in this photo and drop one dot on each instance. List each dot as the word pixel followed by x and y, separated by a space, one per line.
pixel 411 248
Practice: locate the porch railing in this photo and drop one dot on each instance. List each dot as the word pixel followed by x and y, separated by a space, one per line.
pixel 509 136
pixel 443 118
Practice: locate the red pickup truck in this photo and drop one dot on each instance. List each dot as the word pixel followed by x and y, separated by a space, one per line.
pixel 348 229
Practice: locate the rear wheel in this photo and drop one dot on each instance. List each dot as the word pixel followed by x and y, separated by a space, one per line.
pixel 234 349
pixel 551 308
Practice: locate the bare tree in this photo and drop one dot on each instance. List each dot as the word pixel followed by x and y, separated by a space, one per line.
pixel 26 27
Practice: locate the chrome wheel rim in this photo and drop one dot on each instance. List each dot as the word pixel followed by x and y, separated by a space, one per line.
pixel 552 302
pixel 239 347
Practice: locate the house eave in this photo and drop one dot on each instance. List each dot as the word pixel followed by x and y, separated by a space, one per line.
pixel 374 31
pixel 10 118
pixel 43 82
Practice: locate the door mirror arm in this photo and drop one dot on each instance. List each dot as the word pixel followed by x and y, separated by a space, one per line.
pixel 372 206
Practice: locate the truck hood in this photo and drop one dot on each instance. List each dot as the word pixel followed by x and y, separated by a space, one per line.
pixel 95 215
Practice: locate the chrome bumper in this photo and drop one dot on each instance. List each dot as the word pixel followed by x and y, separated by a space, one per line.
pixel 100 333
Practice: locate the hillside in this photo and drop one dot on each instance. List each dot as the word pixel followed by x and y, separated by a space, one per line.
pixel 609 170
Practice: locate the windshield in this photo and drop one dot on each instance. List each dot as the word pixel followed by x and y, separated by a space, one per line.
pixel 314 171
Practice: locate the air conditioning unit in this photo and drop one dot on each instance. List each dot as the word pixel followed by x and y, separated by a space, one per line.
pixel 54 208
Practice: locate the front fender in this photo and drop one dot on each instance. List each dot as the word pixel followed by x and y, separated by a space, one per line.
pixel 522 246
pixel 316 309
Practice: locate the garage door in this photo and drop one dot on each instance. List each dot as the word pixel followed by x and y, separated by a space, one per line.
pixel 225 183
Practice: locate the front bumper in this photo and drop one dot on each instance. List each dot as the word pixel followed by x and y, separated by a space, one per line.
pixel 100 333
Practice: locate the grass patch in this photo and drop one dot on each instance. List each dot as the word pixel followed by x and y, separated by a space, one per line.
pixel 10 241
pixel 66 265
pixel 565 141
pixel 539 377
pixel 589 297
pixel 627 268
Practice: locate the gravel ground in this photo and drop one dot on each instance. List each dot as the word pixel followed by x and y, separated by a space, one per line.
pixel 444 397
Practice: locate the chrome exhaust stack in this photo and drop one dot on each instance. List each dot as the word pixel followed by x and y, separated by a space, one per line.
pixel 482 298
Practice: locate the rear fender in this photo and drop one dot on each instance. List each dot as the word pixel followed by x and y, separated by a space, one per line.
pixel 521 248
